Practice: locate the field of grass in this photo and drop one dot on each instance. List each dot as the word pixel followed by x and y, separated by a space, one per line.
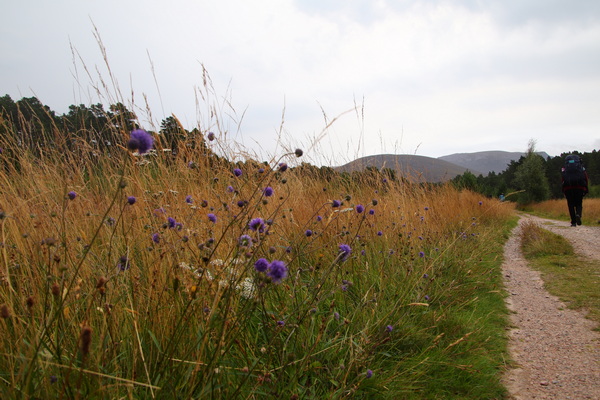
pixel 128 276
pixel 573 279
pixel 557 209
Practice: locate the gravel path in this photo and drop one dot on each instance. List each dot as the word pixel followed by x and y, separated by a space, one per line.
pixel 555 348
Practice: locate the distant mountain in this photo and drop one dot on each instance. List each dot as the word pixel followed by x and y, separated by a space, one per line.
pixel 415 168
pixel 486 161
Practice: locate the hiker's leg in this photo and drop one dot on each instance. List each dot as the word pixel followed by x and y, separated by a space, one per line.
pixel 579 205
pixel 570 195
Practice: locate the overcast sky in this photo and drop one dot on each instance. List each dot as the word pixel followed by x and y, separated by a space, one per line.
pixel 427 77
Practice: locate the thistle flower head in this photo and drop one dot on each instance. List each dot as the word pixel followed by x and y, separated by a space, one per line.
pixel 141 141
pixel 245 241
pixel 71 195
pixel 257 224
pixel 345 252
pixel 277 271
pixel 261 265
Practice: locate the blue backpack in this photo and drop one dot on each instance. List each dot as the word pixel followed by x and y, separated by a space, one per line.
pixel 573 172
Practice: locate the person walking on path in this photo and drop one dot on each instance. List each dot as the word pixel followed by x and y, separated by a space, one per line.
pixel 574 186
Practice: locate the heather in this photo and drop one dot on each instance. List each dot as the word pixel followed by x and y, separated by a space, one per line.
pixel 130 271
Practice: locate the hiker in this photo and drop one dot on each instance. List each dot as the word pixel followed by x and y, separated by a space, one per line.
pixel 574 186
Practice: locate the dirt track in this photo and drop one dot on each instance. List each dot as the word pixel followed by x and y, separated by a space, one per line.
pixel 557 351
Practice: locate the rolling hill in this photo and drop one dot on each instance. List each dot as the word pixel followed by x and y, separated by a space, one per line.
pixel 415 168
pixel 485 161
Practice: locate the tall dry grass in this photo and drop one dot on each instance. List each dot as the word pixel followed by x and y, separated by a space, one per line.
pixel 557 208
pixel 129 276
pixel 105 296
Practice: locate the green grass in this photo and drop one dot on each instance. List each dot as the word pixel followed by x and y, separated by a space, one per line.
pixel 573 279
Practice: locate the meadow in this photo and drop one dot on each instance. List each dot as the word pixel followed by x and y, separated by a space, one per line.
pixel 128 273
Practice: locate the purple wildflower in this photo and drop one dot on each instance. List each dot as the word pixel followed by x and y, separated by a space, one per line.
pixel 319 218
pixel 280 323
pixel 379 233
pixel 389 328
pixel 282 166
pixel 369 374
pixel 257 224
pixel 71 195
pixel 335 203
pixel 277 271
pixel 131 200
pixel 345 252
pixel 210 136
pixel 212 218
pixel 268 192
pixel 308 233
pixel 230 189
pixel 421 254
pixel 359 208
pixel 261 265
pixel 156 237
pixel 245 241
pixel 123 264
pixel 141 141
pixel 237 172
pixel 371 212
pixel 188 199
pixel 171 222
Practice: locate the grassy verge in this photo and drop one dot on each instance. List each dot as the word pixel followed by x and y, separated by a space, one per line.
pixel 573 279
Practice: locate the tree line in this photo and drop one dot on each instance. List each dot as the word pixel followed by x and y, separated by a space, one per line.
pixel 34 126
pixel 532 178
